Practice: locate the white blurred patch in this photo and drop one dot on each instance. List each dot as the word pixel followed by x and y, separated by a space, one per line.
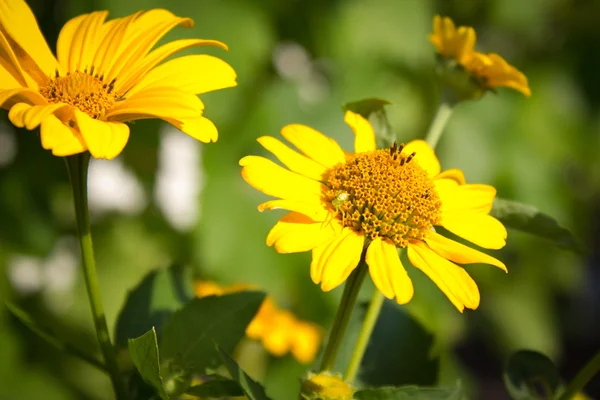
pixel 293 63
pixel 113 187
pixel 8 144
pixel 24 273
pixel 179 179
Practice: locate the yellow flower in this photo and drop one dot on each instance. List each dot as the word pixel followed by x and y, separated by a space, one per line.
pixel 326 386
pixel 375 201
pixel 279 330
pixel 105 73
pixel 489 71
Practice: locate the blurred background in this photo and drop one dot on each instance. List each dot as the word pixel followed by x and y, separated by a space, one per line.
pixel 169 199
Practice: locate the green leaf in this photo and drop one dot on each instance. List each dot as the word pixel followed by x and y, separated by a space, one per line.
pixel 216 388
pixel 188 336
pixel 399 351
pixel 529 219
pixel 46 334
pixel 373 110
pixel 144 354
pixel 152 302
pixel 410 393
pixel 531 375
pixel 251 388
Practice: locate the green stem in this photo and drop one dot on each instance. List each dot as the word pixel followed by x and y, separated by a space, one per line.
pixel 77 166
pixel 582 378
pixel 438 124
pixel 342 317
pixel 364 336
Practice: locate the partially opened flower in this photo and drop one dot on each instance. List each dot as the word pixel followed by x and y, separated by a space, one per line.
pixel 105 73
pixel 280 331
pixel 371 203
pixel 488 71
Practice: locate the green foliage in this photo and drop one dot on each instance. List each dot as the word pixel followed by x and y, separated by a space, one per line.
pixel 410 393
pixel 189 335
pixel 144 354
pixel 529 219
pixel 251 388
pixel 151 303
pixel 217 388
pixel 531 375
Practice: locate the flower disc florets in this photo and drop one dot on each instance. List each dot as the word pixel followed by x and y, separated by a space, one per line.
pixel 385 194
pixel 86 91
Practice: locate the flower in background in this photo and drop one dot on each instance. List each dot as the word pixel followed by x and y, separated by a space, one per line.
pixel 375 201
pixel 279 330
pixel 326 386
pixel 105 73
pixel 489 71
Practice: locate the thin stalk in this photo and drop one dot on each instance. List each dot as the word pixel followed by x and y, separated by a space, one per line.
pixel 364 336
pixel 582 378
pixel 342 317
pixel 77 166
pixel 438 124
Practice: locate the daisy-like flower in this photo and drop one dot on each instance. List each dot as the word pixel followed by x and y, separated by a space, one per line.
pixel 105 73
pixel 371 203
pixel 489 71
pixel 279 330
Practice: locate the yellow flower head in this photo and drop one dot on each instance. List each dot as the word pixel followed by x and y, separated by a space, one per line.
pixel 489 71
pixel 326 386
pixel 375 201
pixel 279 330
pixel 105 73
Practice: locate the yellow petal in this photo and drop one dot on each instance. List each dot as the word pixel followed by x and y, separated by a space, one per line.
pixel 199 73
pixel 459 253
pixel 387 272
pixel 276 181
pixel 60 138
pixel 19 23
pixel 364 136
pixel 112 42
pixel 454 174
pixel 7 80
pixel 146 31
pixel 295 233
pixel 306 341
pixel 333 262
pixel 30 117
pixel 200 128
pixel 471 198
pixel 311 210
pixel 453 280
pixel 424 155
pixel 129 78
pixel 293 160
pixel 65 41
pixel 165 102
pixel 314 144
pixel 79 41
pixel 483 230
pixel 10 97
pixel 10 64
pixel 501 73
pixel 103 139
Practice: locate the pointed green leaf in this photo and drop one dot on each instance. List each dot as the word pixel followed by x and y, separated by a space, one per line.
pixel 410 393
pixel 144 354
pixel 373 110
pixel 531 375
pixel 189 334
pixel 251 388
pixel 529 219
pixel 152 302
pixel 216 389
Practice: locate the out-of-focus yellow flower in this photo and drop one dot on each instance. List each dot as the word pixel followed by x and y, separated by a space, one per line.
pixel 279 330
pixel 105 73
pixel 370 203
pixel 326 386
pixel 489 71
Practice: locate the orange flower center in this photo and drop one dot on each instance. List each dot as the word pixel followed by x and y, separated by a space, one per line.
pixel 383 193
pixel 86 91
